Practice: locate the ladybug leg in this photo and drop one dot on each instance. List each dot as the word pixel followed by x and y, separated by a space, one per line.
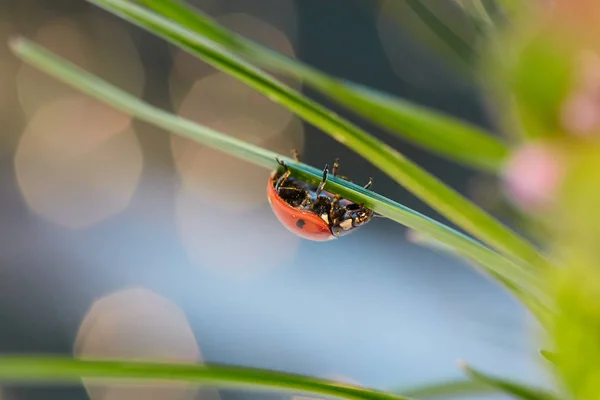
pixel 296 155
pixel 362 216
pixel 335 168
pixel 284 176
pixel 322 184
pixel 369 184
pixel 334 218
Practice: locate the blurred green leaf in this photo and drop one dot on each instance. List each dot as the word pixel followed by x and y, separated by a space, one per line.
pixel 548 355
pixel 440 26
pixel 531 68
pixel 515 8
pixel 511 6
pixel 445 135
pixel 422 184
pixel 483 11
pixel 576 328
pixel 517 390
pixel 449 389
pixel 516 277
pixel 63 369
pixel 574 331
pixel 462 48
pixel 540 81
pixel 535 298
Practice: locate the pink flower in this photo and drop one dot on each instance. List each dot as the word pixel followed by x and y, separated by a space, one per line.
pixel 580 113
pixel 532 176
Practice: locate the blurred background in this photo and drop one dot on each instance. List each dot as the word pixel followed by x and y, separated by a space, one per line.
pixel 121 240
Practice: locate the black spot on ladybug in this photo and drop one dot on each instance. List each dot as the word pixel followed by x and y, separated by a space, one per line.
pixel 300 223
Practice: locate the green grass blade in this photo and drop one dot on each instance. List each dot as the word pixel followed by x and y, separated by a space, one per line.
pixel 447 35
pixel 439 196
pixel 533 299
pixel 450 389
pixel 517 278
pixel 517 390
pixel 63 369
pixel 548 356
pixel 435 131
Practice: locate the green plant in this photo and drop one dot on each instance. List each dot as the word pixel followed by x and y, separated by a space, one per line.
pixel 562 299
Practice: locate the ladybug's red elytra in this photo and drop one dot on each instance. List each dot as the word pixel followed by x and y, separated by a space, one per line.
pixel 310 212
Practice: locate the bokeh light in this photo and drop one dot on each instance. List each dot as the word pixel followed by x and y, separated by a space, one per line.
pixel 139 324
pixel 64 37
pixel 216 100
pixel 259 31
pixel 90 41
pixel 222 103
pixel 188 69
pixel 78 162
pixel 223 199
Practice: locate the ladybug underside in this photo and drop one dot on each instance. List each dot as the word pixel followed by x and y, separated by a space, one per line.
pixel 340 214
pixel 302 195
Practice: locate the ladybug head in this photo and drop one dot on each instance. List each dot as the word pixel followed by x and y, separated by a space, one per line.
pixel 354 217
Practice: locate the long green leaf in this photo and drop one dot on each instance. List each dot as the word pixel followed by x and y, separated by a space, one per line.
pixel 548 356
pixel 450 389
pixel 463 49
pixel 517 390
pixel 63 369
pixel 424 185
pixel 520 282
pixel 534 300
pixel 454 139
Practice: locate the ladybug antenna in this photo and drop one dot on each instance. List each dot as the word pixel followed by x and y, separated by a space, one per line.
pixel 336 166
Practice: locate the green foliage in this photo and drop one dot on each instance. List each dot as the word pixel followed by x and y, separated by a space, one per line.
pixel 516 278
pixel 516 390
pixel 539 102
pixel 434 131
pixel 530 67
pixel 449 389
pixel 62 369
pixel 439 196
pixel 442 28
pixel 575 328
pixel 548 355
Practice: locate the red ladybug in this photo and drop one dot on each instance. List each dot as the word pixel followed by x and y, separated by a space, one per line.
pixel 311 213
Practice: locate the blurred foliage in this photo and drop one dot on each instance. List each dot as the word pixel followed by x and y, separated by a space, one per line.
pixel 575 226
pixel 62 369
pixel 434 131
pixel 450 389
pixel 442 26
pixel 515 70
pixel 514 276
pixel 516 390
pixel 550 63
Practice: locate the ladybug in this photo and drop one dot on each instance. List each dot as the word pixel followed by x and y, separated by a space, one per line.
pixel 310 212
